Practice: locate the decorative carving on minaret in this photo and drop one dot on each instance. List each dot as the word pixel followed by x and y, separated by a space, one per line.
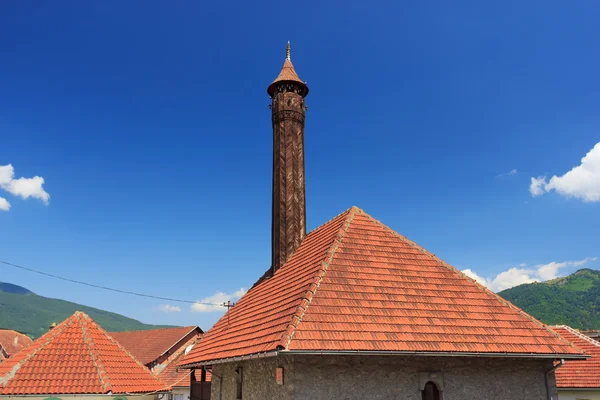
pixel 289 206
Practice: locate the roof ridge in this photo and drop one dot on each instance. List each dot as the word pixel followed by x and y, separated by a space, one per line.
pixel 578 334
pixel 138 362
pixel 266 275
pixel 181 338
pixel 114 341
pixel 51 335
pixel 460 273
pixel 333 219
pixel 12 330
pixel 157 329
pixel 84 319
pixel 149 336
pixel 305 301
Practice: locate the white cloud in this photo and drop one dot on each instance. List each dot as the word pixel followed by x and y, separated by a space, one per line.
pixel 7 173
pixel 536 188
pixel 4 204
pixel 169 308
pixel 581 182
pixel 519 275
pixel 512 172
pixel 28 187
pixel 513 277
pixel 217 298
pixel 478 278
pixel 22 187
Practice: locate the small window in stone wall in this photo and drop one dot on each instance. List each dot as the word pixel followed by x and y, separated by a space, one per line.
pixel 431 392
pixel 239 379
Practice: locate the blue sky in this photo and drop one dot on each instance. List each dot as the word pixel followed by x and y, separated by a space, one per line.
pixel 149 124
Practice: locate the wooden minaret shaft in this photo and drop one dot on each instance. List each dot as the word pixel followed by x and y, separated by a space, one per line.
pixel 289 205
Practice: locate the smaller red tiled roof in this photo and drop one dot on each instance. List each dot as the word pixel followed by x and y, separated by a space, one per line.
pixel 287 74
pixel 147 346
pixel 579 373
pixel 13 341
pixel 169 371
pixel 76 357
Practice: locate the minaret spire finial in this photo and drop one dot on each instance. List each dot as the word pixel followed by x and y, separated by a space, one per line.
pixel 287 52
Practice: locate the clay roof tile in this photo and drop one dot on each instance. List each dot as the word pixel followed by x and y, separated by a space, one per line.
pixel 76 357
pixel 579 373
pixel 149 345
pixel 356 285
pixel 13 341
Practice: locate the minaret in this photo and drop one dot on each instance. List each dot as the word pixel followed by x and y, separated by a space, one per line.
pixel 289 207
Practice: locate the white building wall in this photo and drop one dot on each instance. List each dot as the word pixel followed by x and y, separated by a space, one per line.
pixel 181 393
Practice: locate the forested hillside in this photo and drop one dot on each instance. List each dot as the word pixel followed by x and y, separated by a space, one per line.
pixel 25 311
pixel 573 300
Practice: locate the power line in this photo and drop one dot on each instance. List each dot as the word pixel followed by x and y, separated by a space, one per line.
pixel 110 289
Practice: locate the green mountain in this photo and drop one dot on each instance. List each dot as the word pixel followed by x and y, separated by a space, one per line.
pixel 573 300
pixel 25 311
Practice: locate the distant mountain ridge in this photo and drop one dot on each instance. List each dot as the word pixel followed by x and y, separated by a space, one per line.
pixel 16 289
pixel 573 300
pixel 25 311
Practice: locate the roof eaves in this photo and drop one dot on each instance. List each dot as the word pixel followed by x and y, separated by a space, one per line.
pixel 231 359
pixel 437 354
pixel 77 395
pixel 482 287
pixel 589 387
pixel 386 353
pixel 289 332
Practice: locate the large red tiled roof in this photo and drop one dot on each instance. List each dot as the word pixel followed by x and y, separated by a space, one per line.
pixel 13 341
pixel 149 345
pixel 76 357
pixel 356 285
pixel 579 373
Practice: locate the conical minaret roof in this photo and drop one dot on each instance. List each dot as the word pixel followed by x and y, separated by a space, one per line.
pixel 287 74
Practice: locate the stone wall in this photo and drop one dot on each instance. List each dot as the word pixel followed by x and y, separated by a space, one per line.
pixel 258 379
pixel 459 378
pixel 384 377
pixel 162 396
